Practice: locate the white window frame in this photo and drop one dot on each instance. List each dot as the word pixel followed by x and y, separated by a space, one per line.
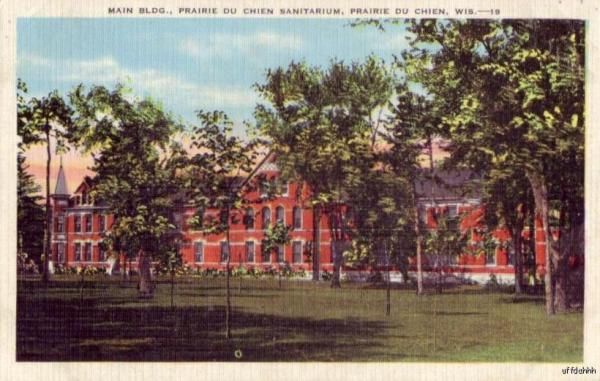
pixel 60 257
pixel 301 251
pixel 223 244
pixel 89 217
pixel 299 209
pixel 262 219
pixel 278 208
pixel 75 256
pixel 253 251
pixel 75 218
pixel 91 253
pixel 203 243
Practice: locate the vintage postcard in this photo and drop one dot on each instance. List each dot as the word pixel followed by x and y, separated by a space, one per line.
pixel 299 190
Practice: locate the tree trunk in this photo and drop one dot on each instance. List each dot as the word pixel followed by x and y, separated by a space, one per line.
pixel 316 260
pixel 336 248
pixel 124 269
pixel 228 288
pixel 419 243
pixel 48 235
pixel 388 304
pixel 518 264
pixel 540 195
pixel 172 288
pixel 146 286
pixel 560 263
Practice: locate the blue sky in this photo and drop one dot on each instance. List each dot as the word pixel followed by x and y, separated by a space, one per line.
pixel 187 64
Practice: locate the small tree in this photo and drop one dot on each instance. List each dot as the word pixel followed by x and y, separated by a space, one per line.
pixel 276 236
pixel 216 176
pixel 444 243
pixel 381 221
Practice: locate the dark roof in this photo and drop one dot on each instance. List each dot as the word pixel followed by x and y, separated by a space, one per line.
pixel 447 184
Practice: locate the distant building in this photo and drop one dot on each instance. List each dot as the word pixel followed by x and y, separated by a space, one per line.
pixel 79 224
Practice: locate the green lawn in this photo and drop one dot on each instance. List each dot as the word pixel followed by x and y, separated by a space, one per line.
pixel 302 321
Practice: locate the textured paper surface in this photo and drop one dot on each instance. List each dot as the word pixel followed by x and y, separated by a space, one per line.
pixel 10 369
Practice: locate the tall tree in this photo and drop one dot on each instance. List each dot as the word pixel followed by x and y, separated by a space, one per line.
pixel 410 133
pixel 217 174
pixel 30 213
pixel 135 164
pixel 382 216
pixel 506 196
pixel 43 121
pixel 511 92
pixel 321 127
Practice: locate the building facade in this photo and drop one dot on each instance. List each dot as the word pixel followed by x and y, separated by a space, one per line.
pixel 79 225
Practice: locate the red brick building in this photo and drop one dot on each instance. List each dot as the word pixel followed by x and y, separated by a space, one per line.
pixel 79 224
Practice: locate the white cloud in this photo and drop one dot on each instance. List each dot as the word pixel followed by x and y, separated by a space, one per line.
pixel 228 45
pixel 397 43
pixel 170 89
pixel 30 59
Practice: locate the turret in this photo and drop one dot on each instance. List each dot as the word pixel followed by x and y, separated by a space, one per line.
pixel 60 202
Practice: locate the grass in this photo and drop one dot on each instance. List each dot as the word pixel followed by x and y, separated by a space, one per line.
pixel 302 321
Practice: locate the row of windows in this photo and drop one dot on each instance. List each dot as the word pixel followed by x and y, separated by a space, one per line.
pixel 87 223
pixel 451 211
pixel 83 252
pixel 84 199
pixel 250 249
pixel 249 218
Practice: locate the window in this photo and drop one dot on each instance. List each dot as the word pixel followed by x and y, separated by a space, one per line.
pixel 285 189
pixel 452 224
pixel 88 223
pixel 249 218
pixel 101 253
pixel 510 252
pixel 266 255
pixel 177 221
pixel 224 217
pixel 280 214
pixel 84 198
pixel 199 251
pixel 423 214
pixel 87 252
pixel 266 217
pixel 250 251
pixel 101 223
pixel 78 224
pixel 297 218
pixel 224 251
pixel 453 211
pixel 60 251
pixel 60 224
pixel 280 254
pixel 78 251
pixel 490 257
pixel 297 251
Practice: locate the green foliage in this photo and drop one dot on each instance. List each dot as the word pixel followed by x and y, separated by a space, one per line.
pixel 382 218
pixel 30 214
pixel 136 162
pixel 215 175
pixel 276 235
pixel 445 240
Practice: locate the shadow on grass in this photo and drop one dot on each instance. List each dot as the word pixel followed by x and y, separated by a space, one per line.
pixel 101 329
pixel 535 299
pixel 446 313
